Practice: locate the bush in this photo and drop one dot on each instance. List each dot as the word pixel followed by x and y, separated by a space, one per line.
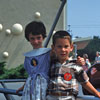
pixel 14 73
pixel 2 69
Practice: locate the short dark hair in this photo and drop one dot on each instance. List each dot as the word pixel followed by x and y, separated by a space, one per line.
pixel 35 28
pixel 61 34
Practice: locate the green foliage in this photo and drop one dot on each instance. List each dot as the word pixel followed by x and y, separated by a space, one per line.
pixel 14 73
pixel 2 69
pixel 91 48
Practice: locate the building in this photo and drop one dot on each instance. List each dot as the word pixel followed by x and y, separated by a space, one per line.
pixel 17 13
pixel 82 42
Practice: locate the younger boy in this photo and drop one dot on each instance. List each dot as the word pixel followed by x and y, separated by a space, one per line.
pixel 63 73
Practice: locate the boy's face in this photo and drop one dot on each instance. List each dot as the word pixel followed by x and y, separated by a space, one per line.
pixel 36 41
pixel 62 48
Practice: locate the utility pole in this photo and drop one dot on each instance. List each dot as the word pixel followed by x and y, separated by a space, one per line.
pixel 69 30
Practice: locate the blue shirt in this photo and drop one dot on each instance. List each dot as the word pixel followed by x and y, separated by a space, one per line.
pixel 37 62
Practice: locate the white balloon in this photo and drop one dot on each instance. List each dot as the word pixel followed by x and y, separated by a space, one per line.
pixel 5 54
pixel 17 29
pixel 37 15
pixel 1 27
pixel 8 31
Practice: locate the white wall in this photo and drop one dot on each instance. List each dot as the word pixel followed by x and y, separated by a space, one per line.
pixel 22 11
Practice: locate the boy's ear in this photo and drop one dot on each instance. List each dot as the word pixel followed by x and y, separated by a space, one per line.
pixel 53 52
pixel 52 46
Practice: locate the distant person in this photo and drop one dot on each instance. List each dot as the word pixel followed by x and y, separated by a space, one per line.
pixel 64 74
pixel 87 62
pixel 97 58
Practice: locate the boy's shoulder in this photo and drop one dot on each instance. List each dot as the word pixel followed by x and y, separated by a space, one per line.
pixel 37 52
pixel 72 64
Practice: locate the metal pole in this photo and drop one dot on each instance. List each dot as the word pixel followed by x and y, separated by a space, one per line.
pixel 75 55
pixel 6 91
pixel 55 22
pixel 10 91
pixel 12 80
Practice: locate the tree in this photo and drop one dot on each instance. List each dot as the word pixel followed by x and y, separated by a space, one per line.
pixel 91 48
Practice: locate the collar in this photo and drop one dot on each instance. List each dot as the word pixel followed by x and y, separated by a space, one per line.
pixel 66 62
pixel 37 52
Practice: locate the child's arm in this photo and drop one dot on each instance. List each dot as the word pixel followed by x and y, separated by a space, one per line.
pixel 89 87
pixel 20 89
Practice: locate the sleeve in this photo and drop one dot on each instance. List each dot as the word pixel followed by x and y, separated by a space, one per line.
pixel 82 76
pixel 26 64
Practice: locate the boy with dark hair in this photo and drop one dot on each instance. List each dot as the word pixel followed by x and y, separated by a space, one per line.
pixel 37 63
pixel 64 73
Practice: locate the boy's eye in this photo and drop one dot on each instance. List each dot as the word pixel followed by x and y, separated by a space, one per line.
pixel 62 47
pixel 31 38
pixel 59 46
pixel 66 46
pixel 38 38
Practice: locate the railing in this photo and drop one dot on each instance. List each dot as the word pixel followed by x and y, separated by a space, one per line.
pixel 6 91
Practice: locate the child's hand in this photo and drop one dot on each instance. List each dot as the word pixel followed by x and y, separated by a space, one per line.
pixel 20 89
pixel 98 94
pixel 80 61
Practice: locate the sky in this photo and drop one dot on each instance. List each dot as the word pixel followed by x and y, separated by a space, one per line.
pixel 83 18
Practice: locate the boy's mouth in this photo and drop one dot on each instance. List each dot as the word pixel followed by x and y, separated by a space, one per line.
pixel 63 54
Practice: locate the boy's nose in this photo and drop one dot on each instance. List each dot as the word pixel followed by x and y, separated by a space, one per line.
pixel 35 41
pixel 63 49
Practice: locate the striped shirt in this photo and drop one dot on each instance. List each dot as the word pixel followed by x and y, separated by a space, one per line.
pixel 63 78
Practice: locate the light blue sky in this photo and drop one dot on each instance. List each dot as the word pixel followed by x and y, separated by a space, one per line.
pixel 83 16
